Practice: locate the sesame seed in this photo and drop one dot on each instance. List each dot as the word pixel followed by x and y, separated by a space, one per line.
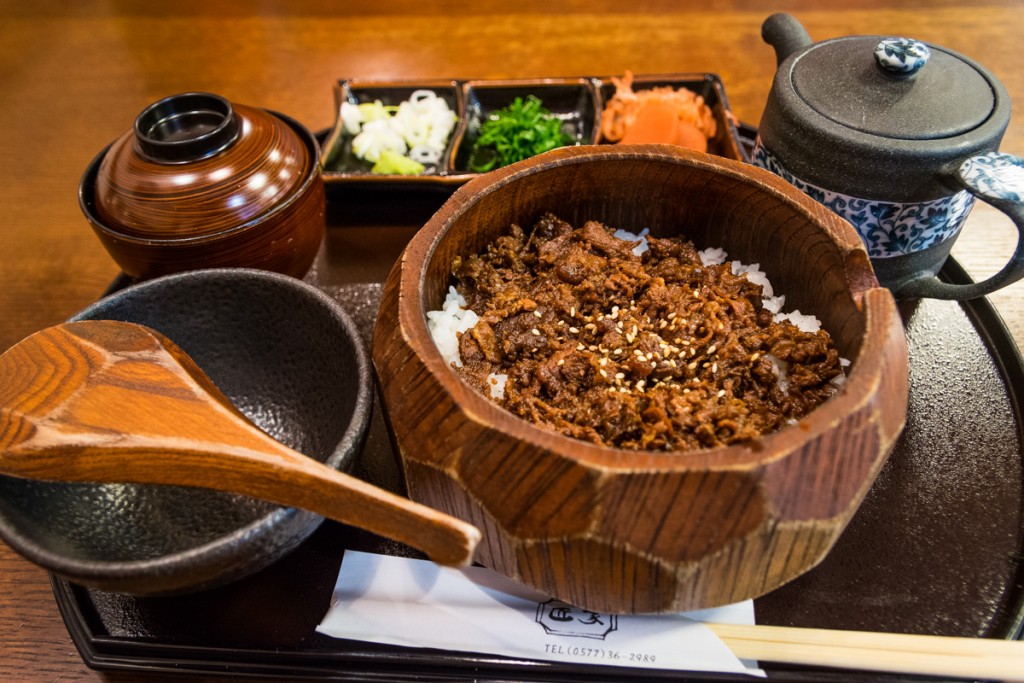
pixel 574 330
pixel 581 347
pixel 692 366
pixel 592 348
pixel 754 356
pixel 535 331
pixel 640 384
pixel 603 362
pixel 671 315
pixel 721 393
pixel 693 351
pixel 712 349
pixel 654 363
pixel 572 312
pixel 714 367
pixel 561 361
pixel 663 324
pixel 603 373
pixel 649 355
pixel 538 313
pixel 620 375
pixel 617 352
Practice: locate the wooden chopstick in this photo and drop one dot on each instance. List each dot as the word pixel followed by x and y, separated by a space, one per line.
pixel 891 652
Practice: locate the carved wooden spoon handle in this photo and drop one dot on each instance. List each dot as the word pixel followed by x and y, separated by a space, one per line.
pixel 106 401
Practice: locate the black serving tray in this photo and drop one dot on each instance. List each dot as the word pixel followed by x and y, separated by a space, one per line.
pixel 937 546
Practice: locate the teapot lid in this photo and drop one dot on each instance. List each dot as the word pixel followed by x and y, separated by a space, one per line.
pixel 893 87
pixel 876 118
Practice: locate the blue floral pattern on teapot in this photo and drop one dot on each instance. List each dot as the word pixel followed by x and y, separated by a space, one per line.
pixel 995 176
pixel 888 229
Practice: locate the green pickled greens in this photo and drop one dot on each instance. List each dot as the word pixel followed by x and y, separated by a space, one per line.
pixel 521 130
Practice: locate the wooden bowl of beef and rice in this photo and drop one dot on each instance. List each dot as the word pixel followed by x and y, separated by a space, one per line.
pixel 656 380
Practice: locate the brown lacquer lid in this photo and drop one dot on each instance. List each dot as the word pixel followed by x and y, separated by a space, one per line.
pixel 195 165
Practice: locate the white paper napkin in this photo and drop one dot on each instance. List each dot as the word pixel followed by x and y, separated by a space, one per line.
pixel 415 603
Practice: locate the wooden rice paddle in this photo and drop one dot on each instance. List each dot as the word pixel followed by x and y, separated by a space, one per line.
pixel 114 402
pixel 974 658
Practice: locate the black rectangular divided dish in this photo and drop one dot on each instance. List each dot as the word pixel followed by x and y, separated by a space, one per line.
pixel 578 102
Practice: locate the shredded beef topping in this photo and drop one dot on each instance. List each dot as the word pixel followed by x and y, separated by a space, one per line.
pixel 653 352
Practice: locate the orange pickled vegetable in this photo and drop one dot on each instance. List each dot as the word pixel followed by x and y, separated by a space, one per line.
pixel 654 121
pixel 678 117
pixel 658 121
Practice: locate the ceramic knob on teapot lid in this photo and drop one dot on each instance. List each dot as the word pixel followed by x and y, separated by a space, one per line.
pixel 859 113
pixel 195 164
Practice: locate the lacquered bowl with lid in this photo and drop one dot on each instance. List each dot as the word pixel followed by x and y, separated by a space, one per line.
pixel 200 182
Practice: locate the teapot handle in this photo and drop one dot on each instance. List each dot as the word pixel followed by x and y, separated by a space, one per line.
pixel 998 180
pixel 786 34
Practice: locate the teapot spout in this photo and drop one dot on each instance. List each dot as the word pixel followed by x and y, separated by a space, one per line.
pixel 787 35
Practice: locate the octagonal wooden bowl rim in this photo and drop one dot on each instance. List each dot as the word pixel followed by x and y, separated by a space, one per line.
pixel 862 384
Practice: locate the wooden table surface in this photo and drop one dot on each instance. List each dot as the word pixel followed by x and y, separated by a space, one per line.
pixel 73 76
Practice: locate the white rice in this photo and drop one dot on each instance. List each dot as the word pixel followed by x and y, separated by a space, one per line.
pixel 446 325
pixel 633 237
pixel 454 318
pixel 496 382
pixel 712 256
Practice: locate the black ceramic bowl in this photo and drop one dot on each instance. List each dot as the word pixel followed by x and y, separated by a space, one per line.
pixel 288 357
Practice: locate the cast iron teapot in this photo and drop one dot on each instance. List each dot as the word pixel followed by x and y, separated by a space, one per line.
pixel 899 138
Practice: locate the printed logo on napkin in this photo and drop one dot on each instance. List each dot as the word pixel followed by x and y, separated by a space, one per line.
pixel 562 619
pixel 415 603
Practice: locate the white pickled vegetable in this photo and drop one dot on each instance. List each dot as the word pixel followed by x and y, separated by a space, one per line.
pixel 425 154
pixel 351 119
pixel 419 127
pixel 374 138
